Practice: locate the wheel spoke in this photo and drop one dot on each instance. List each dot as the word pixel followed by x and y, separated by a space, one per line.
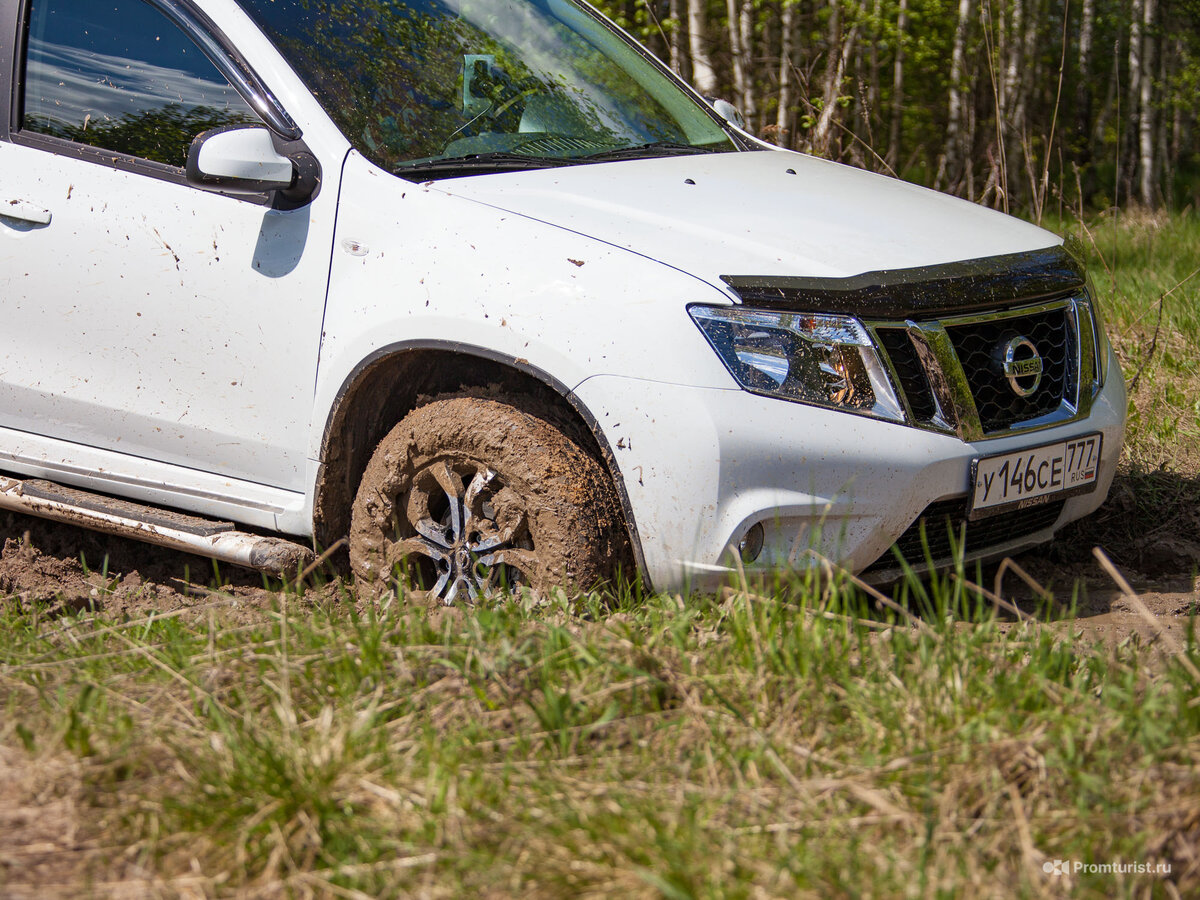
pixel 488 543
pixel 523 560
pixel 471 583
pixel 434 533
pixel 436 590
pixel 514 521
pixel 399 550
pixel 509 515
pixel 451 483
pixel 477 486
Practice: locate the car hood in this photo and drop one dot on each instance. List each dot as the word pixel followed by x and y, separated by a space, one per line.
pixel 769 212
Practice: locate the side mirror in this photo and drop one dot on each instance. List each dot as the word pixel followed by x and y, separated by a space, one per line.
pixel 244 159
pixel 728 112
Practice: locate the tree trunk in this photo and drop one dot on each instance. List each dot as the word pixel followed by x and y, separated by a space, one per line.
pixel 704 79
pixel 1138 9
pixel 1081 144
pixel 840 48
pixel 783 115
pixel 869 88
pixel 746 32
pixel 950 166
pixel 897 112
pixel 675 45
pixel 1146 158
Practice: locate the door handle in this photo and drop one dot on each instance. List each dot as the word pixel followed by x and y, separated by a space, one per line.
pixel 24 212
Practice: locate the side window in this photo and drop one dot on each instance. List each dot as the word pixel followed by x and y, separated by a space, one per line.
pixel 118 75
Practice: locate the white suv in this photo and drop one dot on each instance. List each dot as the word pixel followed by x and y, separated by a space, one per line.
pixel 481 286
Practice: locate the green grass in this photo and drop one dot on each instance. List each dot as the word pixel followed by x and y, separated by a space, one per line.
pixel 723 747
pixel 1146 268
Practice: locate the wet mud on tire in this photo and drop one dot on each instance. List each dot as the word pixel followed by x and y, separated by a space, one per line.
pixel 466 484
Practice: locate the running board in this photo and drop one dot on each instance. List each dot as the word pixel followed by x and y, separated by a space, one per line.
pixel 164 527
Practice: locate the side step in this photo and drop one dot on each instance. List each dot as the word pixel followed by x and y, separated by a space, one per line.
pixel 154 525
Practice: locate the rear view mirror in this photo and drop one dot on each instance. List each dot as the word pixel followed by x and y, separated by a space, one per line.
pixel 477 69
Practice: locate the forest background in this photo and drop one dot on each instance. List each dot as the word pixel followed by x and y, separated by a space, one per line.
pixel 1030 106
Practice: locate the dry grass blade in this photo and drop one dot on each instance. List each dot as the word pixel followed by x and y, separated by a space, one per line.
pixel 996 599
pixel 318 562
pixel 729 593
pixel 1149 356
pixel 1008 564
pixel 877 595
pixel 1140 606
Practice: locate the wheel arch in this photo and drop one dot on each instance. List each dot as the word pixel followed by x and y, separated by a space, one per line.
pixel 400 377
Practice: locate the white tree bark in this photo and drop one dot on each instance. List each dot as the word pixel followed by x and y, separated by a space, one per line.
pixel 704 79
pixel 737 51
pixel 894 132
pixel 1147 163
pixel 783 115
pixel 840 47
pixel 746 30
pixel 950 163
pixel 1084 93
pixel 675 38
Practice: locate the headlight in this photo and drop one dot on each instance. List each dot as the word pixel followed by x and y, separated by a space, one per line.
pixel 823 360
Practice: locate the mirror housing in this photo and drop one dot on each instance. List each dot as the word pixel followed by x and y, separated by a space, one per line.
pixel 728 112
pixel 247 159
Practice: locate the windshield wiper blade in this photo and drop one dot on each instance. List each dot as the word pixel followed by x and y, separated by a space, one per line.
pixel 646 151
pixel 479 163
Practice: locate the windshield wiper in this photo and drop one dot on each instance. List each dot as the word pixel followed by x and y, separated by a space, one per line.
pixel 646 151
pixel 485 163
pixel 478 164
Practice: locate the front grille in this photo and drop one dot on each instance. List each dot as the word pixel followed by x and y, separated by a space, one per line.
pixel 944 522
pixel 979 349
pixel 914 384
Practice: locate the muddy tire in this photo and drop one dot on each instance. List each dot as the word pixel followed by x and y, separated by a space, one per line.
pixel 468 496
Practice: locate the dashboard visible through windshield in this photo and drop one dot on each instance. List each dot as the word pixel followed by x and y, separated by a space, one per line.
pixel 439 88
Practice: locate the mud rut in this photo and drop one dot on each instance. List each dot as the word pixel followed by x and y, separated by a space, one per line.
pixel 65 569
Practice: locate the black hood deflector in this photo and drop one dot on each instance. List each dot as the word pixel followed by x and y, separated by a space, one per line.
pixel 991 282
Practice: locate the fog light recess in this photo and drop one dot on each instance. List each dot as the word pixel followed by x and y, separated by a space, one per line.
pixel 751 544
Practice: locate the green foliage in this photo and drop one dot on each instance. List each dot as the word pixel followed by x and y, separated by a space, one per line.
pixel 1025 139
pixel 163 135
pixel 802 744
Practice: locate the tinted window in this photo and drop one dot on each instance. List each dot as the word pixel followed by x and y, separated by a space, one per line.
pixel 118 75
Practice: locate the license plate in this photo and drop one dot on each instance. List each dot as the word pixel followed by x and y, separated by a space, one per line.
pixel 1035 475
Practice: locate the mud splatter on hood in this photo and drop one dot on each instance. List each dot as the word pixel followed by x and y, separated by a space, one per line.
pixel 757 213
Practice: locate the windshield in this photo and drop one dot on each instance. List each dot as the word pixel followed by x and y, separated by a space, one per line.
pixel 419 84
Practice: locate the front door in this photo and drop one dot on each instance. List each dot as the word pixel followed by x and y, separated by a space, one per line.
pixel 142 315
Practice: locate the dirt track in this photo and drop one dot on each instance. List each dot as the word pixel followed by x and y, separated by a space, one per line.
pixel 62 568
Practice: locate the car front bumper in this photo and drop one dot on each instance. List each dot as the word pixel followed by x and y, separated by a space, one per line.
pixel 701 467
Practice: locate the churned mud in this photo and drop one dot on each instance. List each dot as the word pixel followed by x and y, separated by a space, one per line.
pixel 64 569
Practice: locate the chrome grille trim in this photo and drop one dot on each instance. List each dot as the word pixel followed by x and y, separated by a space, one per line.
pixel 957 403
